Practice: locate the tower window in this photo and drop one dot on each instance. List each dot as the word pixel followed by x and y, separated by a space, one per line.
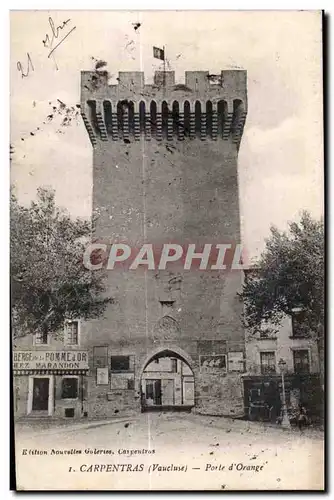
pixel 198 114
pixel 164 117
pixel 221 111
pixel 167 303
pixel 142 111
pixel 186 118
pixel 153 113
pixel 92 114
pixel 209 118
pixel 176 117
pixel 107 108
pixel 120 117
pixel 131 112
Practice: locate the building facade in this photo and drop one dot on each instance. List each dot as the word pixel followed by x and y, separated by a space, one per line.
pixel 50 374
pixel 265 352
pixel 164 171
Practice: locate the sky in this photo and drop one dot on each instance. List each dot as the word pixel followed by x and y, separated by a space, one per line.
pixel 281 154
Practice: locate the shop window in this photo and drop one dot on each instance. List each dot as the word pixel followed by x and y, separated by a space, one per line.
pixel 69 388
pixel 41 338
pixel 120 363
pixel 100 356
pixel 301 361
pixel 268 362
pixel 72 332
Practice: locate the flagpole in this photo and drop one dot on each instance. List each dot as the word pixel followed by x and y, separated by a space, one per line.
pixel 164 49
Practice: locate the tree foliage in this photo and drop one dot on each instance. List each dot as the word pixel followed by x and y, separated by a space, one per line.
pixel 288 275
pixel 49 283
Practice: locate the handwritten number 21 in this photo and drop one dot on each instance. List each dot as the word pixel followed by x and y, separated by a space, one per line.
pixel 30 66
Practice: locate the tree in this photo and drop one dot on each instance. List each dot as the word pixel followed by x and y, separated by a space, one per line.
pixel 289 276
pixel 49 283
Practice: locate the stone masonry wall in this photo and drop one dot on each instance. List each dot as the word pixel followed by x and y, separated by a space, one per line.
pixel 167 191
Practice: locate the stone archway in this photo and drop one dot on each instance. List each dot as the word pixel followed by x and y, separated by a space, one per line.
pixel 167 381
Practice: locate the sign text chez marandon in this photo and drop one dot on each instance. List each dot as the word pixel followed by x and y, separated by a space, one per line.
pixel 50 360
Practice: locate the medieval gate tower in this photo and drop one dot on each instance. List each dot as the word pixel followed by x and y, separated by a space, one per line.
pixel 165 171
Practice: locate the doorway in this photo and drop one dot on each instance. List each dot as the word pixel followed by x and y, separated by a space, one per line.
pixel 153 392
pixel 40 396
pixel 167 383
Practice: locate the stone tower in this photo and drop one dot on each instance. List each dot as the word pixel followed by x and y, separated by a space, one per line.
pixel 165 170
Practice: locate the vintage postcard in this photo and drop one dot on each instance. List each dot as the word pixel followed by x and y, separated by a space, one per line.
pixel 167 250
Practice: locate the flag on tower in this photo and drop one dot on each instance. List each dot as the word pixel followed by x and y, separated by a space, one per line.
pixel 159 53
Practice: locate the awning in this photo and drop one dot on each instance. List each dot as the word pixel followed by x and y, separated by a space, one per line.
pixel 50 372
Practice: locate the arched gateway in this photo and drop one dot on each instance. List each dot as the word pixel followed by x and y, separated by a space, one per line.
pixel 167 382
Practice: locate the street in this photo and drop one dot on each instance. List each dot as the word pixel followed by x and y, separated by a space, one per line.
pixel 169 451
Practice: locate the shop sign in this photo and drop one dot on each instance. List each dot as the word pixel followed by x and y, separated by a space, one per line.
pixel 50 360
pixel 214 363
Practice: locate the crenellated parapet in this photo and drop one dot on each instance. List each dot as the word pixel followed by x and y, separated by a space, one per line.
pixel 207 107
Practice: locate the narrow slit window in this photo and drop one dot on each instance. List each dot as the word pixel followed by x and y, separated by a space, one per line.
pixel 198 114
pixel 186 118
pixel 107 108
pixel 153 110
pixel 142 117
pixel 220 117
pixel 176 117
pixel 164 116
pixel 131 111
pixel 209 118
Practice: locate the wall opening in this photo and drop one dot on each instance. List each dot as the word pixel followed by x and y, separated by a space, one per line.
pixel 164 117
pixel 220 117
pixel 209 118
pixel 176 117
pixel 186 118
pixel 120 117
pixel 40 399
pixel 237 111
pixel 167 383
pixel 131 108
pixel 92 114
pixel 198 113
pixel 107 109
pixel 69 412
pixel 142 111
pixel 153 112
